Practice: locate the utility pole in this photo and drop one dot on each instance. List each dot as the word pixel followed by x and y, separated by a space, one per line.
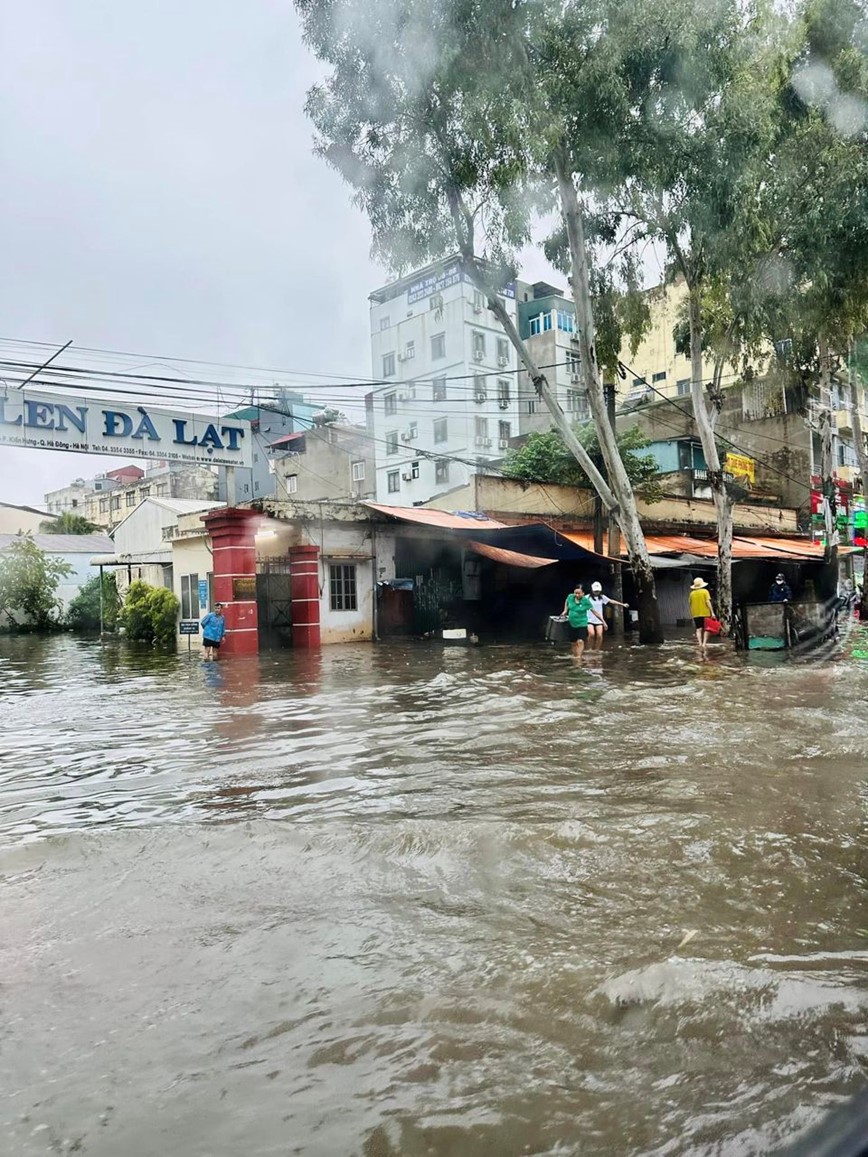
pixel 826 473
pixel 614 544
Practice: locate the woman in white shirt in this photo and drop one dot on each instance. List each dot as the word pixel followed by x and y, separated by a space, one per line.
pixel 596 619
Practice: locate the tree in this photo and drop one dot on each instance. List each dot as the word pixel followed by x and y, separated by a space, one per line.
pixel 447 119
pixel 83 613
pixel 68 523
pixel 150 614
pixel 545 458
pixel 29 579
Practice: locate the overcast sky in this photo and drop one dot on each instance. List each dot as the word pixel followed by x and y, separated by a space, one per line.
pixel 158 194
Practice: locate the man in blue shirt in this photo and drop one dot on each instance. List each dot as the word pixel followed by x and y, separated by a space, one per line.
pixel 780 592
pixel 213 630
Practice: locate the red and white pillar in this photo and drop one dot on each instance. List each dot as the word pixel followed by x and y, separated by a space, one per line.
pixel 304 592
pixel 233 534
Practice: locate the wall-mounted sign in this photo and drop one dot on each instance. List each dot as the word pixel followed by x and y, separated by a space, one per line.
pixel 450 275
pixel 203 592
pixel 740 466
pixel 95 426
pixel 188 627
pixel 244 587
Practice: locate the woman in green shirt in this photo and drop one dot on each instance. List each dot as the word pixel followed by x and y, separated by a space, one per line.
pixel 576 609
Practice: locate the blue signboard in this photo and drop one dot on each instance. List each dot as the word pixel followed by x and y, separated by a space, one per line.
pixel 203 592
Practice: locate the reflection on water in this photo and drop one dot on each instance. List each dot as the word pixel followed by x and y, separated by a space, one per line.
pixel 402 900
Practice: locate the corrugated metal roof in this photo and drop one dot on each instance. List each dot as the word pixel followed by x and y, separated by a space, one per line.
pixel 510 557
pixel 66 543
pixel 446 520
pixel 798 549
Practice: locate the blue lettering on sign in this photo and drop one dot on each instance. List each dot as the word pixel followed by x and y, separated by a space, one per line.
pixel 181 438
pixel 146 426
pixel 113 419
pixel 46 416
pixel 211 440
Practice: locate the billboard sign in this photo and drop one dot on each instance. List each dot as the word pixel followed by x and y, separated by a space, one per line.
pixel 87 426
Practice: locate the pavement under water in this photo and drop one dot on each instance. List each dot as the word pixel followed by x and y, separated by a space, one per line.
pixel 406 900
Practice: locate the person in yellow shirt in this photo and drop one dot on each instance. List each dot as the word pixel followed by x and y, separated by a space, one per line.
pixel 700 609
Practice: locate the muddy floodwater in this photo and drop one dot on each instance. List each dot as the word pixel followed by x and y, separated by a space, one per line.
pixel 402 901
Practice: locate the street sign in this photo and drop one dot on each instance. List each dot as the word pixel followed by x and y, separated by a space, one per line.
pixel 189 627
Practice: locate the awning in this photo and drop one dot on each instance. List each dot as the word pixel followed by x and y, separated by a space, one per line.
pixel 443 519
pixel 510 557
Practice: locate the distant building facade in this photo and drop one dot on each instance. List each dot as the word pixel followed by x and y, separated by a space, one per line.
pixel 330 461
pixel 107 499
pixel 287 413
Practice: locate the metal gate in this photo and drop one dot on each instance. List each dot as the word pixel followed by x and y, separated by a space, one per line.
pixel 274 604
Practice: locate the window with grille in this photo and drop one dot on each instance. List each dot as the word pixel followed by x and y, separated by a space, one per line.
pixel 291 483
pixel 390 403
pixel 438 392
pixel 393 481
pixel 441 470
pixel 392 442
pixel 131 498
pixel 502 390
pixel 682 386
pixel 342 587
pixel 574 361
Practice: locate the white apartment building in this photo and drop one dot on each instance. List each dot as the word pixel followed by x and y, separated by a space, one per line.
pixel 453 396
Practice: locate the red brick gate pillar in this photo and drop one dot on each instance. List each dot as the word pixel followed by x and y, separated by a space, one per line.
pixel 232 536
pixel 304 589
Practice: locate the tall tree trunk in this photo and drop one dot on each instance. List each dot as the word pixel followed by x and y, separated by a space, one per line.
pixel 830 556
pixel 463 221
pixel 650 630
pixel 705 416
pixel 858 435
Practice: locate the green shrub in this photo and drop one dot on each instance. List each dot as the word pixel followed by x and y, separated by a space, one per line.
pixel 83 613
pixel 29 579
pixel 149 614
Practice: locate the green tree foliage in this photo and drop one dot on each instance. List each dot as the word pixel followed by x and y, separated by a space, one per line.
pixel 545 458
pixel 68 523
pixel 150 614
pixel 29 579
pixel 84 610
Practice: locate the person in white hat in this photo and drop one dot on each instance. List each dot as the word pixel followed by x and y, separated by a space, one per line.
pixel 596 619
pixel 700 609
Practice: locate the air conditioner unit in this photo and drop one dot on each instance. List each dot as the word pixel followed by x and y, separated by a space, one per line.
pixel 407 476
pixel 574 337
pixel 408 435
pixel 575 379
pixel 486 441
pixel 503 362
pixel 437 302
pixel 479 397
pixel 478 355
pixel 480 441
pixel 404 396
pixel 503 444
pixel 477 308
pixel 402 357
pixel 504 403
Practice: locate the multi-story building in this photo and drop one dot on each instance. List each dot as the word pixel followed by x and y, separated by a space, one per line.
pixel 107 499
pixel 332 461
pixel 454 395
pixel 286 413
pixel 450 395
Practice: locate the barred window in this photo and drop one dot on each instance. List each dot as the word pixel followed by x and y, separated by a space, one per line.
pixel 342 587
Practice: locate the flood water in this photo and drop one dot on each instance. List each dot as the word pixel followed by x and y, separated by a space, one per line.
pixel 402 901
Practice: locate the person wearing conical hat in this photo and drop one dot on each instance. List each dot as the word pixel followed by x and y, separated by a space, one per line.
pixel 700 610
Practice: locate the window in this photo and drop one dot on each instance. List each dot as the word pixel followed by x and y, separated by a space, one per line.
pixel 116 503
pixel 388 365
pixel 566 321
pixel 390 403
pixel 414 468
pixel 682 386
pixel 841 460
pixel 385 322
pixel 342 587
pixel 661 377
pixel 531 405
pixel 162 490
pixel 103 506
pixel 438 393
pixel 441 471
pixel 574 362
pixel 541 323
pixel 411 433
pixel 502 351
pixel 146 492
pixel 577 403
pixel 638 383
pixel 478 301
pixel 393 481
pixel 189 596
pixel 410 350
pixel 481 428
pixel 74 504
pixel 480 387
pixel 358 472
pixel 291 483
pixel 503 391
pixel 478 345
pixel 441 432
pixel 131 498
pixel 392 442
pixel 438 346
pixel 504 431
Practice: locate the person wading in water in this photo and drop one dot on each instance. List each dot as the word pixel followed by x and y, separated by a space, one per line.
pixel 700 609
pixel 576 609
pixel 213 630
